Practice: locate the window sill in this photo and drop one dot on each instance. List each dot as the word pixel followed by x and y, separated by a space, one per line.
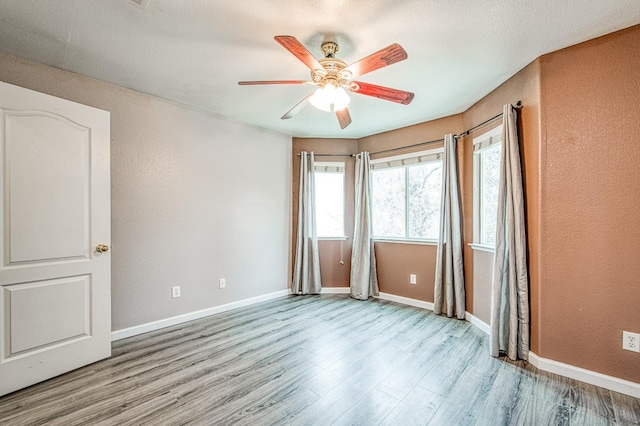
pixel 344 238
pixel 482 247
pixel 400 241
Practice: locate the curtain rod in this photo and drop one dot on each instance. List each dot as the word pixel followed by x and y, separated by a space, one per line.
pixel 331 155
pixel 484 123
pixel 460 135
pixel 407 146
pixel 380 152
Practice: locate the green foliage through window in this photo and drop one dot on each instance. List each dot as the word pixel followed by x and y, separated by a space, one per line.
pixel 406 201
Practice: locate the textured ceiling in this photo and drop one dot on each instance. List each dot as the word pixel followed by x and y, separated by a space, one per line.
pixel 193 52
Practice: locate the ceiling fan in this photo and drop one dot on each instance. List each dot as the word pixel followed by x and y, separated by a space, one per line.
pixel 331 75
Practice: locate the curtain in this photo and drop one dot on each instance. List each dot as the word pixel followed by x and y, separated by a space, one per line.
pixel 306 274
pixel 510 290
pixel 364 278
pixel 449 294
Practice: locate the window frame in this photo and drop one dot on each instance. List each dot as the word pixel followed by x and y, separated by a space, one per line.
pixel 492 139
pixel 438 152
pixel 341 166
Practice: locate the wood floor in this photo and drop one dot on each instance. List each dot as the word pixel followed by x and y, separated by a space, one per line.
pixel 314 360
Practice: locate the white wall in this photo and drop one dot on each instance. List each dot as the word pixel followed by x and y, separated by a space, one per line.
pixel 194 198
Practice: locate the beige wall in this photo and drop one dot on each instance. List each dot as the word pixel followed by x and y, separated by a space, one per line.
pixel 396 261
pixel 579 131
pixel 423 132
pixel 334 273
pixel 184 214
pixel 416 259
pixel 590 259
pixel 194 198
pixel 525 87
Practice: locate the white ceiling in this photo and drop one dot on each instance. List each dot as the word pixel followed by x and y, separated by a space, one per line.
pixel 194 51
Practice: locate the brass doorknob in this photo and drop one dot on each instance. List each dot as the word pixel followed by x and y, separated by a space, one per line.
pixel 101 248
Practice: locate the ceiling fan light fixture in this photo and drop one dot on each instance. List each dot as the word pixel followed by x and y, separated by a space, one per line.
pixel 330 98
pixel 320 100
pixel 332 75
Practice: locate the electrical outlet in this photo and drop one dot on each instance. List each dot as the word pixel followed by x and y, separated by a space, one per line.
pixel 412 278
pixel 631 341
pixel 223 283
pixel 175 292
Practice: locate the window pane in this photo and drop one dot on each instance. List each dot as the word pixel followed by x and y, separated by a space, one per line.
pixel 490 175
pixel 425 181
pixel 388 203
pixel 330 204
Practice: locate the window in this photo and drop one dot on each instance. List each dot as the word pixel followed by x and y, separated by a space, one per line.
pixel 487 149
pixel 329 179
pixel 406 196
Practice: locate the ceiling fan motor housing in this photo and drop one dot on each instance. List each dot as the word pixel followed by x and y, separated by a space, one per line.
pixel 329 49
pixel 332 72
pixel 333 76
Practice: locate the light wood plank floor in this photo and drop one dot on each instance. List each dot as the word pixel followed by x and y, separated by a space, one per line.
pixel 314 360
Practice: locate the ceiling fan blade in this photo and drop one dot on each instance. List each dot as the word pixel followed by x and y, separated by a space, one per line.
pixel 297 108
pixel 344 118
pixel 299 51
pixel 251 83
pixel 387 56
pixel 386 93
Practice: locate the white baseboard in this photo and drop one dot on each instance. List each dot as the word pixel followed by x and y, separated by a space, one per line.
pixel 331 290
pixel 598 379
pixel 385 296
pixel 179 319
pixel 335 290
pixel 407 301
pixel 483 326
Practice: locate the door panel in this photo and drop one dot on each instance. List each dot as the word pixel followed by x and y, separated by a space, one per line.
pixel 46 313
pixel 44 222
pixel 55 288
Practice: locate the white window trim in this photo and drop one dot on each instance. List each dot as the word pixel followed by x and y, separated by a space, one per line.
pixel 328 166
pixel 482 247
pixel 334 167
pixel 400 158
pixel 489 139
pixel 418 241
pixel 410 156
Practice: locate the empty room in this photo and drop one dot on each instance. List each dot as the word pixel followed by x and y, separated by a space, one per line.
pixel 319 213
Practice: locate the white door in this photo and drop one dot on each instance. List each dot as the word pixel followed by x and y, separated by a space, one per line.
pixel 55 286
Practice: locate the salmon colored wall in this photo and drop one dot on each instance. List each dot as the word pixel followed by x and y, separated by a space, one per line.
pixel 333 273
pixel 335 262
pixel 590 95
pixel 416 259
pixel 525 87
pixel 423 132
pixel 579 130
pixel 395 261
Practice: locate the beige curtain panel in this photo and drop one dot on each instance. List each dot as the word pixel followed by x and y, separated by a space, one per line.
pixel 510 290
pixel 364 277
pixel 306 274
pixel 449 294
